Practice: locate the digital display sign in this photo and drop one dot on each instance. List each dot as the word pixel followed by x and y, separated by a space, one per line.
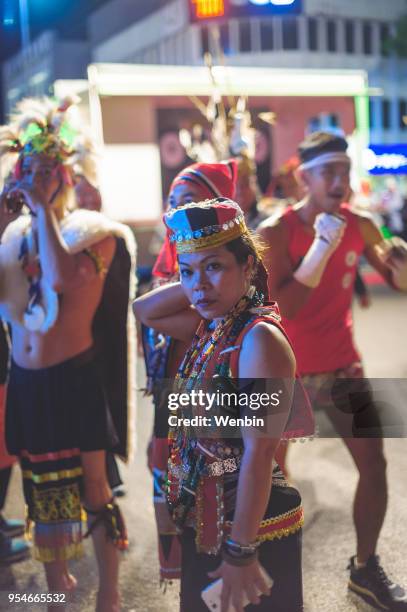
pixel 213 10
pixel 385 159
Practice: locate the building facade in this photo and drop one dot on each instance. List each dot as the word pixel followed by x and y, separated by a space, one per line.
pixel 335 34
pixel 33 71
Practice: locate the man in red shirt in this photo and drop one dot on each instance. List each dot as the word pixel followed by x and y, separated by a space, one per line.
pixel 316 245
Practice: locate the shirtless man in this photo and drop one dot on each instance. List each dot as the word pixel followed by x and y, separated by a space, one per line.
pixel 313 261
pixel 53 266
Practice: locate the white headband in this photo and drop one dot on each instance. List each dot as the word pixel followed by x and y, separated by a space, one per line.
pixel 325 158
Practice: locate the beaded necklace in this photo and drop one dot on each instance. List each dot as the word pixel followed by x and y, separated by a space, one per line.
pixel 193 367
pixel 181 488
pixel 34 314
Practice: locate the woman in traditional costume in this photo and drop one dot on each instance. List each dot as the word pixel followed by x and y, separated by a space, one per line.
pixel 164 354
pixel 231 504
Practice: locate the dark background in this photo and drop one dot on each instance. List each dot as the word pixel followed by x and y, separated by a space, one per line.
pixel 68 17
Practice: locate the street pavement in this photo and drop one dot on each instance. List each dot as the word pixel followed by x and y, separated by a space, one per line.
pixel 322 470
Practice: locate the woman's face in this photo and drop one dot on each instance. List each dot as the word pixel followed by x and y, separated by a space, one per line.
pixel 184 193
pixel 213 280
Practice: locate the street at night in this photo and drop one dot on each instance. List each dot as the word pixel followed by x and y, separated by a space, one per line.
pixel 203 305
pixel 321 469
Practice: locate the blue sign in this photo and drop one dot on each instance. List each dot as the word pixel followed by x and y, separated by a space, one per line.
pixel 262 8
pixel 385 159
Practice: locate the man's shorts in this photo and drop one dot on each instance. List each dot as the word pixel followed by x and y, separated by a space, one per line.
pixel 343 403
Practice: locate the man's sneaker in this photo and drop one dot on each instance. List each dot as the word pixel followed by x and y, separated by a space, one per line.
pixel 11 527
pixel 373 586
pixel 13 550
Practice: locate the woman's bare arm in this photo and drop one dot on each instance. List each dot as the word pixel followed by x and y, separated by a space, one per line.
pixel 167 310
pixel 265 354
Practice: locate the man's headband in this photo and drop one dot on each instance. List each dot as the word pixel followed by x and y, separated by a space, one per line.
pixel 325 158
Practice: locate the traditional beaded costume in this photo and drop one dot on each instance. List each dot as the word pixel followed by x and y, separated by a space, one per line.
pixel 203 472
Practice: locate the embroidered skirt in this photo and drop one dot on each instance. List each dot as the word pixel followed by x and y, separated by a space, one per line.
pixel 53 414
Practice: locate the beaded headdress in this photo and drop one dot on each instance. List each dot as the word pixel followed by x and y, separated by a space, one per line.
pixel 202 225
pixel 45 126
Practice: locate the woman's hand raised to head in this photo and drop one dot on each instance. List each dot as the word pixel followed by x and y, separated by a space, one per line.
pixel 167 310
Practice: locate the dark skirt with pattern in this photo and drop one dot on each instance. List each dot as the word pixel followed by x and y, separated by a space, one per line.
pixel 52 416
pixel 279 553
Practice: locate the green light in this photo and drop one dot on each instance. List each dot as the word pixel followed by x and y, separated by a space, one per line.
pixel 362 115
pixel 32 130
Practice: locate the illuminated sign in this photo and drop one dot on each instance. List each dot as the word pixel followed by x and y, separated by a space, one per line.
pixel 385 159
pixel 212 10
pixel 207 9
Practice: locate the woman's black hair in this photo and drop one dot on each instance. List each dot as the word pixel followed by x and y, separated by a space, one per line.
pixel 249 244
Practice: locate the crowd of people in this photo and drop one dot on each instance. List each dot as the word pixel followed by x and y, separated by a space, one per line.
pixel 242 305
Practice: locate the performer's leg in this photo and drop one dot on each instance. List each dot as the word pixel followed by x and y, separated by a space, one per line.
pixel 5 474
pixel 368 580
pixel 356 414
pixel 370 502
pixel 59 580
pixel 97 494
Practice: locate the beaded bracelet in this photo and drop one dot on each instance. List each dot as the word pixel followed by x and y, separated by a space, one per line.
pixel 241 549
pixel 238 561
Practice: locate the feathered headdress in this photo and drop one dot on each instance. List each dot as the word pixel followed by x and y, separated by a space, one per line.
pixel 231 132
pixel 46 126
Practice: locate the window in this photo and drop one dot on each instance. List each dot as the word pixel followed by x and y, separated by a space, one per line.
pixel 224 37
pixel 367 38
pixel 371 111
pixel 266 35
pixel 333 121
pixel 313 125
pixel 349 37
pixel 384 36
pixel 290 33
pixel 204 40
pixel 312 34
pixel 244 36
pixel 403 114
pixel 386 114
pixel 331 35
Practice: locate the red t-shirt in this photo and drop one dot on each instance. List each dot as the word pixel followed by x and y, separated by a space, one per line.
pixel 321 332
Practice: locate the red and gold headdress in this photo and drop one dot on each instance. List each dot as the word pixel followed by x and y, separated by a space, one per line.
pixel 212 180
pixel 203 225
